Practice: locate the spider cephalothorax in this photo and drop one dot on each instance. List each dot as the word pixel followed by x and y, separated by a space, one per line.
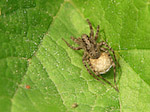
pixel 95 55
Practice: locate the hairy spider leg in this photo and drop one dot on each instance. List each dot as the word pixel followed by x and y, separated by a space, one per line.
pixel 113 64
pixel 76 40
pixel 73 38
pixel 84 63
pixel 96 36
pixel 106 81
pixel 74 48
pixel 92 32
pixel 105 44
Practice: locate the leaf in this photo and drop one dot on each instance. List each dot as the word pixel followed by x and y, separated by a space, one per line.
pixel 39 73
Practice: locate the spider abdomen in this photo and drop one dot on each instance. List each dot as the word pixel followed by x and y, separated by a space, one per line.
pixel 102 64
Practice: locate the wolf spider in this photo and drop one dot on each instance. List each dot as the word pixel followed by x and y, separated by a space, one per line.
pixel 95 55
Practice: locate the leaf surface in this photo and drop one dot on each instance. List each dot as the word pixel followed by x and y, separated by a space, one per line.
pixel 40 73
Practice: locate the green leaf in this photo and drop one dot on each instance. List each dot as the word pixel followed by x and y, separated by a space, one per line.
pixel 39 73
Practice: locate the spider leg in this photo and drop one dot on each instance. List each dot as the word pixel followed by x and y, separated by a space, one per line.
pixel 101 43
pixel 113 64
pixel 92 32
pixel 104 43
pixel 96 36
pixel 74 48
pixel 84 63
pixel 107 81
pixel 74 39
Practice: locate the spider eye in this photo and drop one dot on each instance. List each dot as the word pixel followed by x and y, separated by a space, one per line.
pixel 84 36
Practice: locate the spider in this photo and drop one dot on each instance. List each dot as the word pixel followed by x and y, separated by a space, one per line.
pixel 96 58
